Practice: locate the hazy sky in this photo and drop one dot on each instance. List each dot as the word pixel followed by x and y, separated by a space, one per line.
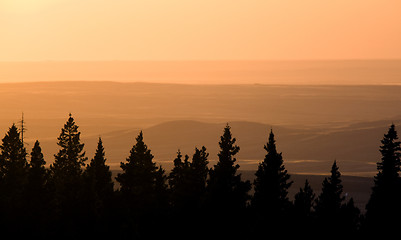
pixel 199 29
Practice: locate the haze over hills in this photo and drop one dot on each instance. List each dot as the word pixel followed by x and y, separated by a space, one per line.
pixel 326 72
pixel 314 124
pixel 308 152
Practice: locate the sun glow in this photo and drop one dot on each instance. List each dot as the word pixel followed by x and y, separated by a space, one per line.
pixel 40 30
pixel 25 6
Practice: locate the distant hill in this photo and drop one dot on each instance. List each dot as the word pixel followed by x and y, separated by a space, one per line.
pixel 305 151
pixel 331 72
pixel 314 124
pixel 109 106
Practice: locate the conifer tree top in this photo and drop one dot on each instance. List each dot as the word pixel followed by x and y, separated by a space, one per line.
pixel 390 163
pixel 227 149
pixel 71 153
pixel 270 147
pixel 272 180
pixel 99 158
pixel 330 199
pixel 12 147
pixel 37 160
pixel 140 154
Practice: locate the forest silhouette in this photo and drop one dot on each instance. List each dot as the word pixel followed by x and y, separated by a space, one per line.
pixel 76 196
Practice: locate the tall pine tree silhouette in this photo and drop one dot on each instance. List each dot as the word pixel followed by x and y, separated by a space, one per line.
pixel 66 175
pixel 383 208
pixel 187 181
pixel 37 170
pixel 143 188
pixel 37 192
pixel 331 209
pixel 14 175
pixel 180 185
pixel 200 171
pixel 99 184
pixel 304 202
pixel 271 183
pixel 227 191
pixel 303 206
pixel 13 163
pixel 329 202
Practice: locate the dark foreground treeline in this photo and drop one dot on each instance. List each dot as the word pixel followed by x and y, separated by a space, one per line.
pixel 76 199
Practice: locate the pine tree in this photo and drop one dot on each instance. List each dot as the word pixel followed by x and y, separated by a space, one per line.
pixel 180 184
pixel 383 208
pixel 350 217
pixel 71 158
pixel 14 176
pixel 227 191
pixel 333 214
pixel 187 181
pixel 13 163
pixel 140 179
pixel 99 184
pixel 271 183
pixel 303 214
pixel 66 174
pixel 304 201
pixel 199 173
pixel 37 170
pixel 329 202
pixel 37 191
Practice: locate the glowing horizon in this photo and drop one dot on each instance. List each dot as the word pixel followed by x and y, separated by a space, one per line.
pixel 330 72
pixel 100 30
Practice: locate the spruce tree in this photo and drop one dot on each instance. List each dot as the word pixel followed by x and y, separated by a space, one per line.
pixel 383 208
pixel 304 202
pixel 271 183
pixel 333 214
pixel 71 158
pixel 37 191
pixel 37 169
pixel 350 217
pixel 329 202
pixel 13 163
pixel 99 184
pixel 142 182
pixel 66 174
pixel 227 191
pixel 199 174
pixel 187 181
pixel 14 176
pixel 180 184
pixel 303 214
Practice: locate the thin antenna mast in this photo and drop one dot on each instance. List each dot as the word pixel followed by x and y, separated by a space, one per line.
pixel 23 129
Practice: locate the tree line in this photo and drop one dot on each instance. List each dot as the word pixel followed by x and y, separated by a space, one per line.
pixel 76 196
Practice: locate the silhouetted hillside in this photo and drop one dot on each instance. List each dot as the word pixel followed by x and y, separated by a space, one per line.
pixel 304 151
pixel 348 72
pixel 314 124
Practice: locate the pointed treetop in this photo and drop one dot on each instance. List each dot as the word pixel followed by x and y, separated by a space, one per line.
pixel 335 173
pixel 12 148
pixel 99 155
pixel 390 164
pixel 37 160
pixel 270 147
pixel 227 141
pixel 70 143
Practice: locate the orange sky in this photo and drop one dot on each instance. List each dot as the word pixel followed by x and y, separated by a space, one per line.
pixel 36 30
